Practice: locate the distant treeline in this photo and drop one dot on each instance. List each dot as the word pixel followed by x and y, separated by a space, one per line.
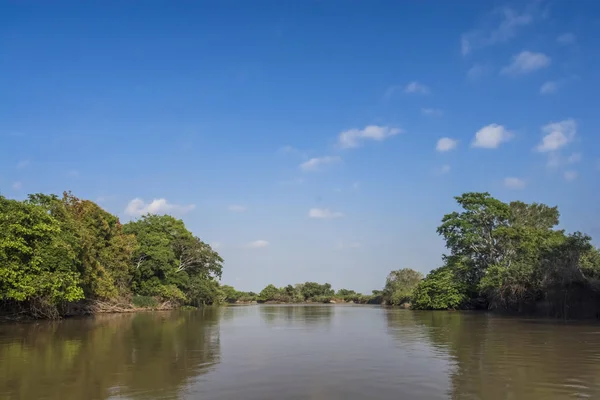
pixel 308 292
pixel 64 255
pixel 503 256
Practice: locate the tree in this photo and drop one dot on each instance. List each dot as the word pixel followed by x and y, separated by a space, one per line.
pixel 440 290
pixel 37 266
pixel 231 295
pixel 169 254
pixel 311 290
pixel 270 292
pixel 399 286
pixel 473 233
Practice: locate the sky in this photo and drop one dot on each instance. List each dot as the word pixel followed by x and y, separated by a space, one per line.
pixel 304 140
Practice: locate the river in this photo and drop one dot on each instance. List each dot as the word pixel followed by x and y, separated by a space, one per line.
pixel 299 352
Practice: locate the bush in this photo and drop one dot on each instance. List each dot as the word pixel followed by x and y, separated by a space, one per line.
pixel 144 301
pixel 440 290
pixel 321 299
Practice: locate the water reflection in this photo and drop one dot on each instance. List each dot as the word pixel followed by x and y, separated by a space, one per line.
pixel 120 355
pixel 301 315
pixel 507 358
pixel 300 352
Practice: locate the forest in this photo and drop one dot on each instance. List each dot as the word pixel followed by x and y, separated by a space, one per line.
pixel 63 256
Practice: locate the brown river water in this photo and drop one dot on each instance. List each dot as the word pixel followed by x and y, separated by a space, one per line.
pixel 300 352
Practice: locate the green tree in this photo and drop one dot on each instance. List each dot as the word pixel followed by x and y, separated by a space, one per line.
pixel 231 295
pixel 37 267
pixel 440 290
pixel 103 250
pixel 270 292
pixel 399 286
pixel 168 254
pixel 311 290
pixel 472 233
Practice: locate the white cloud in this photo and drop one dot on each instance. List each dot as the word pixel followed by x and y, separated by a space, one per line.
pixel 17 186
pixel 216 245
pixel 501 26
pixel 446 144
pixel 257 244
pixel 433 112
pixel 137 207
pixel 525 62
pixel 355 185
pixel 549 87
pixel 23 163
pixel 514 183
pixel 73 173
pixel 416 87
pixel 567 38
pixel 557 135
pixel 571 175
pixel 478 71
pixel 324 213
pixel 491 136
pixel 315 163
pixel 354 137
pixel 237 208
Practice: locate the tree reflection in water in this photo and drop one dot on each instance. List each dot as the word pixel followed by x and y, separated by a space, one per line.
pixel 305 315
pixel 508 358
pixel 119 355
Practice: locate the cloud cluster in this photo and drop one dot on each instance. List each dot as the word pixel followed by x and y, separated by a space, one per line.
pixel 324 213
pixel 137 207
pixel 315 163
pixel 557 135
pixel 355 137
pixel 501 26
pixel 491 136
pixel 257 244
pixel 526 62
pixel 446 144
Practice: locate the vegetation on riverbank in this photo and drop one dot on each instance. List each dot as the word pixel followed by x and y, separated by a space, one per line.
pixel 511 257
pixel 308 292
pixel 61 256
pixel 64 256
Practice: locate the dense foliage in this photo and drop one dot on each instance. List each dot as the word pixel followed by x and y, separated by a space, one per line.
pixel 57 251
pixel 399 286
pixel 510 256
pixel 308 292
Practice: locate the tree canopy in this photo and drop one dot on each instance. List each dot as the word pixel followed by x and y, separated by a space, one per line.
pixel 511 256
pixel 399 286
pixel 55 251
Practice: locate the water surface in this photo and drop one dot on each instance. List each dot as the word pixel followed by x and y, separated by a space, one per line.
pixel 299 352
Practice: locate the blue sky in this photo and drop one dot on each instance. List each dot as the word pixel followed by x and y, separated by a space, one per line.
pixel 305 140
